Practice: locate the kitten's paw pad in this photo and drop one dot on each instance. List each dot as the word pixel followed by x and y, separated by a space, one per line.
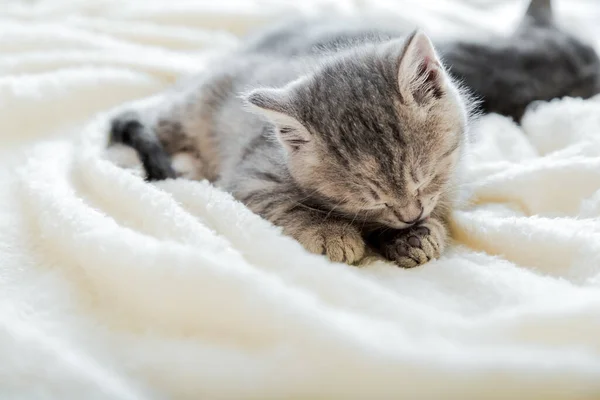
pixel 414 246
pixel 339 242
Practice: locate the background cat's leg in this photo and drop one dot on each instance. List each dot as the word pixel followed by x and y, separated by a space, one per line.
pixel 318 232
pixel 413 246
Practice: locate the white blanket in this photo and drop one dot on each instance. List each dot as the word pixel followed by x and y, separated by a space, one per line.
pixel 112 288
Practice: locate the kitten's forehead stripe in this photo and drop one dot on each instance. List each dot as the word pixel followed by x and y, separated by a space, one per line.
pixel 376 196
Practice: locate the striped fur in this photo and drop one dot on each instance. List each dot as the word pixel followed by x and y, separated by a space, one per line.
pixel 350 142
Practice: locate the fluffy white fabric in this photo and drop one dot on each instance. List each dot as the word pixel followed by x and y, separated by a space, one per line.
pixel 112 288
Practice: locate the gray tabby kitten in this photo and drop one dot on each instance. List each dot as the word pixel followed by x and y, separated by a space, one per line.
pixel 347 137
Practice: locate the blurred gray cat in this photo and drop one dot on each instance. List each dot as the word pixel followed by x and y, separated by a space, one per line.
pixel 349 137
pixel 539 62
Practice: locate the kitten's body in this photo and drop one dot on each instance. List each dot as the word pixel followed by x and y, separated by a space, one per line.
pixel 359 148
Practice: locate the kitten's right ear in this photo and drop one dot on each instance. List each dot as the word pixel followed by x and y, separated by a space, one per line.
pixel 421 77
pixel 540 12
pixel 277 106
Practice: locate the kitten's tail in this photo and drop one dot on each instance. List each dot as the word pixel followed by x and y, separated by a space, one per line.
pixel 127 129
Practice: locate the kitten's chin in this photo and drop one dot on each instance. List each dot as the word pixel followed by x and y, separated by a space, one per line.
pixel 396 224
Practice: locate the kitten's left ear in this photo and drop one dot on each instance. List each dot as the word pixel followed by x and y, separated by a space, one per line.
pixel 421 77
pixel 540 12
pixel 277 106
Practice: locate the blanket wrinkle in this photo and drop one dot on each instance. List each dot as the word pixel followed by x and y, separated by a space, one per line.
pixel 115 288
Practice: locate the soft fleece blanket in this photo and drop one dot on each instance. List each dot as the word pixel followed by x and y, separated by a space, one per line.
pixel 112 288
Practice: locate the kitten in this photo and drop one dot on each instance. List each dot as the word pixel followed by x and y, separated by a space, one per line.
pixel 351 144
pixel 339 149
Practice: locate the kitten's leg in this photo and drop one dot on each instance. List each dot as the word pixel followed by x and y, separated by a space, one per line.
pixel 338 239
pixel 171 141
pixel 128 129
pixel 413 246
pixel 174 134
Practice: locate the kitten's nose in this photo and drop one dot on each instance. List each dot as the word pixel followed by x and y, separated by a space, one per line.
pixel 414 221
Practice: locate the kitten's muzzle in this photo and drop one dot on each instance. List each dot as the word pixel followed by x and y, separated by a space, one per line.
pixel 397 217
pixel 405 225
pixel 416 220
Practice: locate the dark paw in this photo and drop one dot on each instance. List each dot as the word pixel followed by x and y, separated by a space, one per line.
pixel 412 247
pixel 127 129
pixel 158 167
pixel 123 127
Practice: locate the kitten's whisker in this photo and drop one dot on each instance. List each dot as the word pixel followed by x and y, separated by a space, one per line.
pixel 356 214
pixel 310 208
pixel 311 194
pixel 334 207
pixel 362 226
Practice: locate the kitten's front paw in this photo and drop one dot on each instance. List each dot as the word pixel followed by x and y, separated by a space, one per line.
pixel 415 246
pixel 340 242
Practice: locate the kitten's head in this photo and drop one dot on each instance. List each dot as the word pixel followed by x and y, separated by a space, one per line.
pixel 575 65
pixel 375 133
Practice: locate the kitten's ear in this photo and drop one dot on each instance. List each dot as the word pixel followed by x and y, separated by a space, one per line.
pixel 421 77
pixel 540 12
pixel 277 106
pixel 270 100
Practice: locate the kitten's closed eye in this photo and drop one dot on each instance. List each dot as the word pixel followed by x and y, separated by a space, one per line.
pixel 434 185
pixel 377 206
